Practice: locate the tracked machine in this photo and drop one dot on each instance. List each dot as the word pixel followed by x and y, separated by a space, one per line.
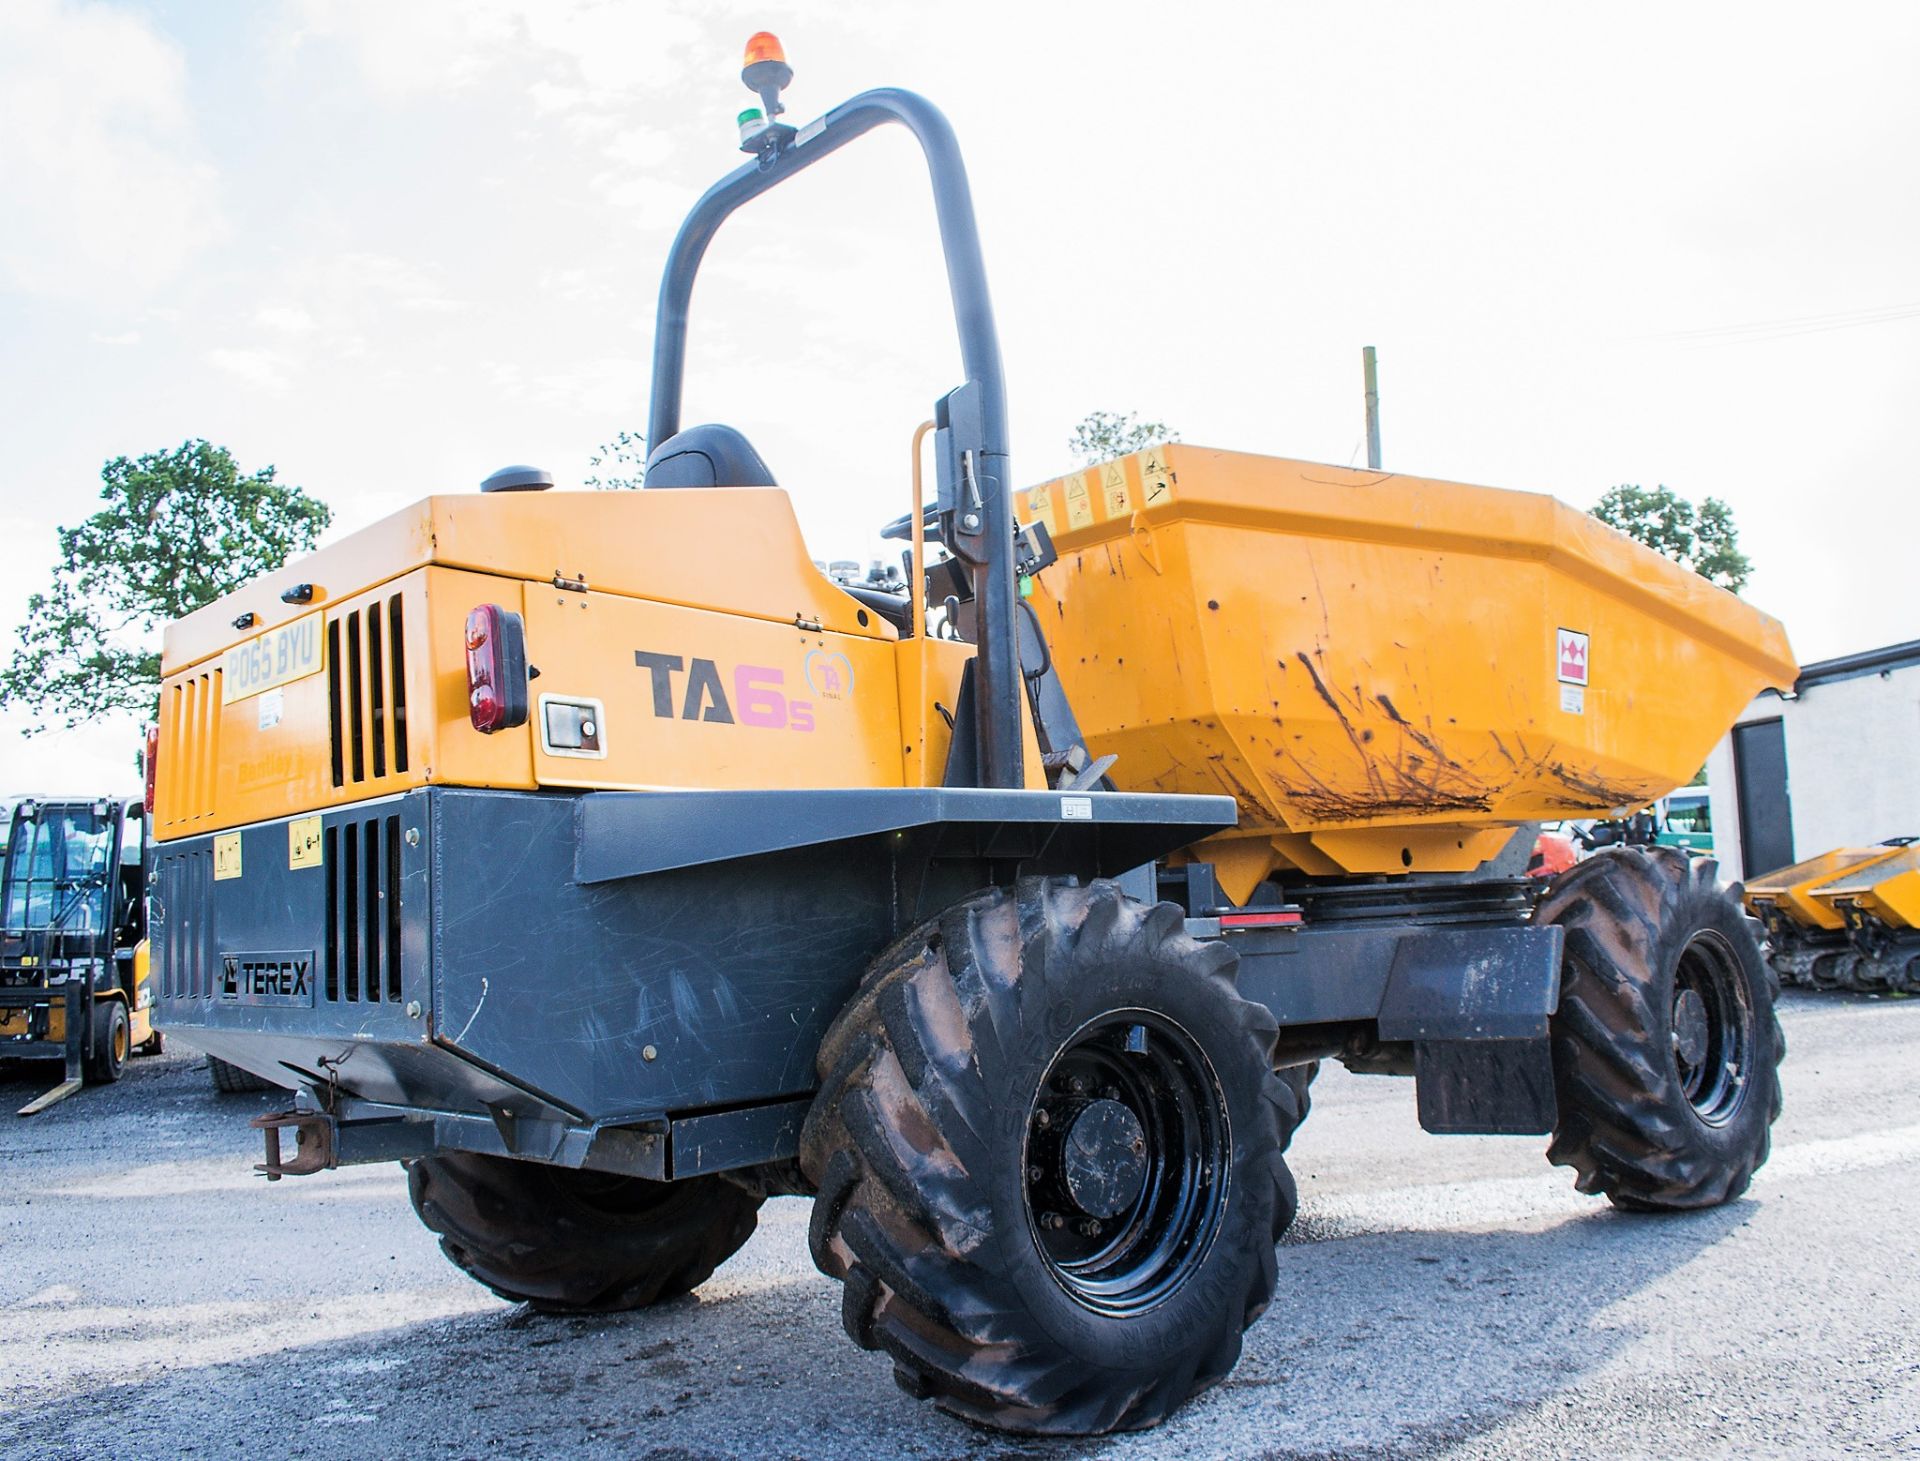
pixel 1007 919
pixel 1846 920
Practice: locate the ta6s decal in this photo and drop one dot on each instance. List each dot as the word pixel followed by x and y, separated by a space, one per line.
pixel 759 694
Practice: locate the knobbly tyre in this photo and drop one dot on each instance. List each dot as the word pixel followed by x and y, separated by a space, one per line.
pixel 613 896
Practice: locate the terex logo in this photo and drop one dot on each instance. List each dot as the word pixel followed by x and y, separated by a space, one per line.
pixel 698 692
pixel 273 978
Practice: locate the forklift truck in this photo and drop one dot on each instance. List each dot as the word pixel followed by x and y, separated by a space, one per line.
pixel 73 963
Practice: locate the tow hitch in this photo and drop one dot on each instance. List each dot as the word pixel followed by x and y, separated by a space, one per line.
pixel 314 1146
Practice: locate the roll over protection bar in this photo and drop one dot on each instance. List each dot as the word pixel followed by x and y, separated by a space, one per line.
pixel 975 501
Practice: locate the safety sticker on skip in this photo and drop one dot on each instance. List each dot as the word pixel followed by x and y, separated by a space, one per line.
pixel 1571 653
pixel 1076 809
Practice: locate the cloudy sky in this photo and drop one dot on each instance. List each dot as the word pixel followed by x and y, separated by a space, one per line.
pixel 389 247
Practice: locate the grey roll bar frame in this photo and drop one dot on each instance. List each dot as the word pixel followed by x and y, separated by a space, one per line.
pixel 976 504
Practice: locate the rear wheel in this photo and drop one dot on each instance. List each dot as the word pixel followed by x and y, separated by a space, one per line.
pixel 1047 1151
pixel 234 1080
pixel 1299 1079
pixel 578 1242
pixel 106 1054
pixel 1666 1050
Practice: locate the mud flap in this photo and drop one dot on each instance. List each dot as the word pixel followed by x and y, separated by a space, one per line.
pixel 1485 1087
pixel 1475 1004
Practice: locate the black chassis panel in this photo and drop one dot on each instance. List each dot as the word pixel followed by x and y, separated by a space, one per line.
pixel 609 958
pixel 1470 1001
pixel 577 964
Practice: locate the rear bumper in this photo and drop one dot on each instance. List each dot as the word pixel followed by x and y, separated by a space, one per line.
pixel 574 963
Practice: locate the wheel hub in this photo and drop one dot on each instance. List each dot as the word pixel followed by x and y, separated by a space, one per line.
pixel 1690 1027
pixel 1105 1159
pixel 1713 1029
pixel 1126 1158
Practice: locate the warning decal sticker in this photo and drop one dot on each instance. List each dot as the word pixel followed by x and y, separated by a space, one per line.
pixel 1153 472
pixel 1570 651
pixel 1040 506
pixel 1079 502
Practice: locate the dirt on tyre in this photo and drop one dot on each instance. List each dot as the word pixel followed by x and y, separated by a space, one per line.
pixel 234 1080
pixel 109 1045
pixel 1666 1049
pixel 572 1241
pixel 1047 1149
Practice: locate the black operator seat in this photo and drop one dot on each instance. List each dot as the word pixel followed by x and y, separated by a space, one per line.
pixel 707 456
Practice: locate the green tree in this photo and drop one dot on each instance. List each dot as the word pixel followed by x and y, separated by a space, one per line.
pixel 1702 538
pixel 623 461
pixel 178 529
pixel 1103 435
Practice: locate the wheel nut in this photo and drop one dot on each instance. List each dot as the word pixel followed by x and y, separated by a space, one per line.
pixel 1078 1085
pixel 1089 1229
pixel 1034 1174
pixel 1043 1117
pixel 1052 1220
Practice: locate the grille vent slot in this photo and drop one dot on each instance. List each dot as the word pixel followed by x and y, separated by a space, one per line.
pixel 367 692
pixel 187 894
pixel 362 859
pixel 190 749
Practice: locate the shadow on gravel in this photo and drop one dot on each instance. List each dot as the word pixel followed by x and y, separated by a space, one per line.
pixel 1385 1344
pixel 1399 1344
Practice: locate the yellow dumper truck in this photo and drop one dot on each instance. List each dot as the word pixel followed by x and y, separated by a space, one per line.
pixel 615 885
pixel 1848 919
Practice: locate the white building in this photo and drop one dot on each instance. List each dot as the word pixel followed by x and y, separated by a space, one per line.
pixel 1834 764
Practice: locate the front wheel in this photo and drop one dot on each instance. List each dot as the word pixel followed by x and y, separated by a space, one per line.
pixel 106 1054
pixel 1047 1147
pixel 1666 1050
pixel 578 1242
pixel 236 1080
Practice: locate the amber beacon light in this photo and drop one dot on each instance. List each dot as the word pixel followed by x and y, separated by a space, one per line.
pixel 765 70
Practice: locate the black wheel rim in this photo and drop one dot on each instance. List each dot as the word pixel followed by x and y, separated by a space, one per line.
pixel 1126 1162
pixel 1711 1028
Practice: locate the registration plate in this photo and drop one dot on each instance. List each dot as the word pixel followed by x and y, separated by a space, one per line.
pixel 291 652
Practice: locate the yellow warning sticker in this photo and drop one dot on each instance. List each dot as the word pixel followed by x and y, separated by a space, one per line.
pixel 1113 489
pixel 1040 506
pixel 1079 502
pixel 1154 476
pixel 303 842
pixel 226 855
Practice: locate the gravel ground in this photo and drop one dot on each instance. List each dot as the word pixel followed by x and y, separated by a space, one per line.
pixel 1446 1297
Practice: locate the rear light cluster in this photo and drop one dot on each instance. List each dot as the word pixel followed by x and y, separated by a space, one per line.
pixel 496 669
